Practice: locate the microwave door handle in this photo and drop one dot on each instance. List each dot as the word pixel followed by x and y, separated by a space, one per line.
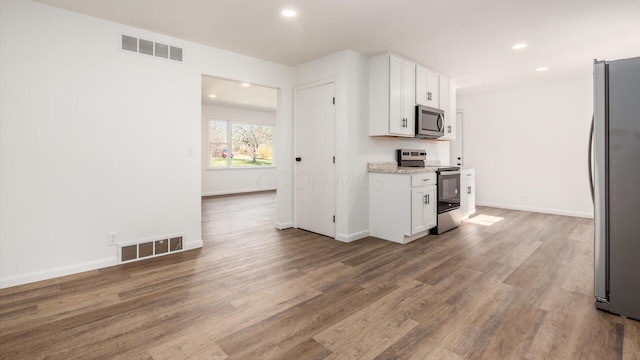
pixel 440 121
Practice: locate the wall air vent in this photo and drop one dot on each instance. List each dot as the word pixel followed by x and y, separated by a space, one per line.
pixel 162 51
pixel 176 53
pixel 148 47
pixel 149 248
pixel 145 47
pixel 129 43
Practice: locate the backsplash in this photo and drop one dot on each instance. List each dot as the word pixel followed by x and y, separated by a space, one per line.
pixel 382 149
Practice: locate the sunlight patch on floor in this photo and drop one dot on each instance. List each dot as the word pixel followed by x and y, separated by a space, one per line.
pixel 485 220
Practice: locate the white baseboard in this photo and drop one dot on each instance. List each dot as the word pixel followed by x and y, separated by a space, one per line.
pixel 285 225
pixel 57 272
pixel 73 269
pixel 352 237
pixel 241 191
pixel 193 244
pixel 588 215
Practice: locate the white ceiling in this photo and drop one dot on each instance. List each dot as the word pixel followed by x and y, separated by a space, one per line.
pixel 469 40
pixel 232 93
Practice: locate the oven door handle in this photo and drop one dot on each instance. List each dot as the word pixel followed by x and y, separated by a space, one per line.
pixel 449 172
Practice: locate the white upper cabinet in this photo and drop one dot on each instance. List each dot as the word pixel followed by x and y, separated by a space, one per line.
pixel 427 87
pixel 396 86
pixel 391 96
pixel 448 104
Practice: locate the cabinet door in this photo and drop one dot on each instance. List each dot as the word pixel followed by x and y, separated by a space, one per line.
pixel 464 197
pixel 427 83
pixel 408 97
pixel 421 86
pixel 433 89
pixel 397 122
pixel 418 209
pixel 449 110
pixel 430 208
pixel 471 197
pixel 467 195
pixel 444 95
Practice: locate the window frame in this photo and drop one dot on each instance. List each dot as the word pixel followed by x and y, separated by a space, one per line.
pixel 229 143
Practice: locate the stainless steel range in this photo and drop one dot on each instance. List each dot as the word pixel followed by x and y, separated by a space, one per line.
pixel 411 157
pixel 449 214
pixel 448 181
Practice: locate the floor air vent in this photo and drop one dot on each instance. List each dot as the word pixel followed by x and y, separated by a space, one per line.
pixel 148 47
pixel 150 248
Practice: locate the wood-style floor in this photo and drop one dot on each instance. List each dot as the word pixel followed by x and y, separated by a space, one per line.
pixel 517 288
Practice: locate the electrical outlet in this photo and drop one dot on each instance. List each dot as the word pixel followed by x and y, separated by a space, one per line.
pixel 112 238
pixel 525 197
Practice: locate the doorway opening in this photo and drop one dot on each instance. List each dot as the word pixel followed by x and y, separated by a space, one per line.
pixel 238 135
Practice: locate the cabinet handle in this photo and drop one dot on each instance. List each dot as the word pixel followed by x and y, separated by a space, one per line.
pixel 468 189
pixel 428 95
pixel 449 129
pixel 425 199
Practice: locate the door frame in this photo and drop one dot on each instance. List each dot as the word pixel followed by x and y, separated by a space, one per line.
pixel 453 154
pixel 334 81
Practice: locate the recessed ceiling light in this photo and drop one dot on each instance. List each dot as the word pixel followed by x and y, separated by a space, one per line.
pixel 543 68
pixel 246 84
pixel 288 13
pixel 519 46
pixel 213 96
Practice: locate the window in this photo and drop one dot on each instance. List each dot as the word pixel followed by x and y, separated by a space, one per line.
pixel 236 144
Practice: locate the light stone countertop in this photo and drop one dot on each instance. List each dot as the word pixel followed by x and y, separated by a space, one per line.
pixel 391 167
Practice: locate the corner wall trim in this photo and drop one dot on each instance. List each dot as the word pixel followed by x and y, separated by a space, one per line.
pixel 347 238
pixel 285 225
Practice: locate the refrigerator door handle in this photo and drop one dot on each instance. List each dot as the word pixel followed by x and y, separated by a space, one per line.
pixel 590 159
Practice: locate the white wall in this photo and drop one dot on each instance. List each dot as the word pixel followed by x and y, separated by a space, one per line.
pixel 531 141
pixel 94 139
pixel 354 147
pixel 235 180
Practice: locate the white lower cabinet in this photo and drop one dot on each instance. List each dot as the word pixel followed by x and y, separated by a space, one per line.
pixel 467 192
pixel 402 207
pixel 423 215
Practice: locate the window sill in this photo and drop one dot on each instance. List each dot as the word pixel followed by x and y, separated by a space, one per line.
pixel 240 168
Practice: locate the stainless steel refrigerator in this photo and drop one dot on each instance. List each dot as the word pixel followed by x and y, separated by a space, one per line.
pixel 614 167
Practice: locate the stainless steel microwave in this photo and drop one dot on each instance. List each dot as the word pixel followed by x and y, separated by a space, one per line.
pixel 429 122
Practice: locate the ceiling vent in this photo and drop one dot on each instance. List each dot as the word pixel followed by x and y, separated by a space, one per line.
pixel 148 47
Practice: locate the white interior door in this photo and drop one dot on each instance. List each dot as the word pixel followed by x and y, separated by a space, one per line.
pixel 314 141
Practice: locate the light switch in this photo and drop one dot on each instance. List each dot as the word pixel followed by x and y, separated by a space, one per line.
pixel 190 151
